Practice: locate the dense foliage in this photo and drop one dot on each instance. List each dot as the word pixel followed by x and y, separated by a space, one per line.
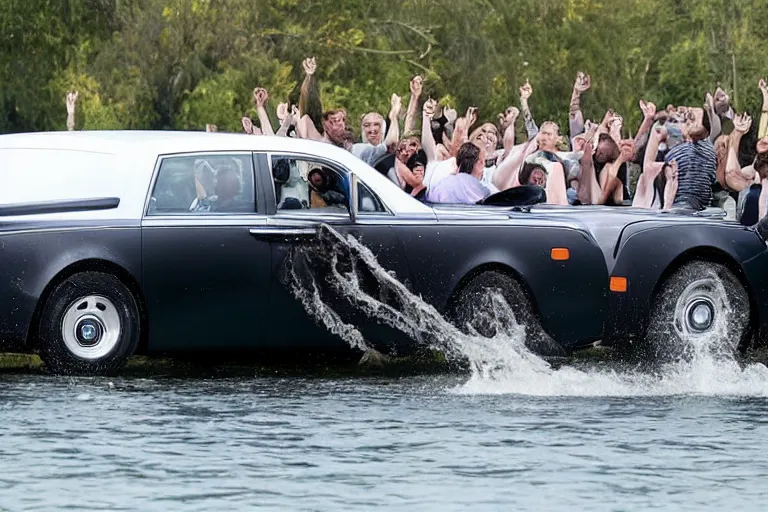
pixel 179 64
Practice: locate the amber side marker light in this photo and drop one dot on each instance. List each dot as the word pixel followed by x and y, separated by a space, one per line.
pixel 560 253
pixel 618 284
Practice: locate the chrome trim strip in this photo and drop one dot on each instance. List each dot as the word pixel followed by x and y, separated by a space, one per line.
pixel 56 230
pixel 203 220
pixel 283 231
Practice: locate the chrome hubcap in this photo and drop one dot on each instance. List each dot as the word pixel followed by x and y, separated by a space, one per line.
pixel 91 327
pixel 696 311
pixel 701 315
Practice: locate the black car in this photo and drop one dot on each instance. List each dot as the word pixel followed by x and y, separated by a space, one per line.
pixel 117 243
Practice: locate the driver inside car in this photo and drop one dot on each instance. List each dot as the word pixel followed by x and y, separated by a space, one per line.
pixel 226 196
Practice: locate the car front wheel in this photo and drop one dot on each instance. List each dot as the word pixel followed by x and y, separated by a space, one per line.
pixel 474 307
pixel 702 308
pixel 89 325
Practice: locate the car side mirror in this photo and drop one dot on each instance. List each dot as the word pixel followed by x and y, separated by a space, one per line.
pixel 353 197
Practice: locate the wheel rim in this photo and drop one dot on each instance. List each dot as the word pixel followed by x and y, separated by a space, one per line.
pixel 91 327
pixel 698 309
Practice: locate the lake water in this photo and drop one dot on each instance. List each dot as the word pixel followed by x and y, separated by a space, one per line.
pixel 513 433
pixel 681 441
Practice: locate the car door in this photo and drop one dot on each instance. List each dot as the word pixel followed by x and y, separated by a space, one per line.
pixel 206 278
pixel 294 213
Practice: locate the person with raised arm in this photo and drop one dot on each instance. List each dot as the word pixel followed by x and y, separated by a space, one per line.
pixel 373 145
pixel 737 177
pixel 71 103
pixel 416 86
pixel 575 117
pixel 260 97
pixel 334 122
pixel 762 129
pixel 437 169
pixel 657 184
pixel 530 125
pixel 611 184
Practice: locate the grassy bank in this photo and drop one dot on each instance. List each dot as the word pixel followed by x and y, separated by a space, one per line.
pixel 371 364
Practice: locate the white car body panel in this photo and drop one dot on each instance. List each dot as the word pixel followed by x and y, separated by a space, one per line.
pixel 50 166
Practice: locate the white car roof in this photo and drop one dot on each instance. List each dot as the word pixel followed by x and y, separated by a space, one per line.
pixel 139 151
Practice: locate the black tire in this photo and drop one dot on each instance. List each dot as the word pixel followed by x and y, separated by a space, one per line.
pixel 473 307
pixel 671 334
pixel 88 359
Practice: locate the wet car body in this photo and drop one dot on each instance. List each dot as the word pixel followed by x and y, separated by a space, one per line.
pixel 89 202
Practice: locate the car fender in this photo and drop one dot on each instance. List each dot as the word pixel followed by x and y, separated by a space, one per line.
pixel 570 296
pixel 648 252
pixel 36 258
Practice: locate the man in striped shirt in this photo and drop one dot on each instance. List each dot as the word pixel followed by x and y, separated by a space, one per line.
pixel 696 168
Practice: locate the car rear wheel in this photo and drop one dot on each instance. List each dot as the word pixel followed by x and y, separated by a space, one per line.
pixel 89 325
pixel 475 307
pixel 702 308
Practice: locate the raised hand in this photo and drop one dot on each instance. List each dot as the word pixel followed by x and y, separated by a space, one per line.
pixel 526 90
pixel 583 82
pixel 429 108
pixel 417 83
pixel 608 118
pixel 310 66
pixel 763 87
pixel 617 122
pixel 471 116
pixel 648 108
pixel 741 123
pixel 508 117
pixel 71 100
pixel 396 106
pixel 247 125
pixel 627 149
pixel 282 111
pixel 709 102
pixel 260 97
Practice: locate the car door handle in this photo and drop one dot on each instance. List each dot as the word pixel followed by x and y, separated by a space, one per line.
pixel 285 233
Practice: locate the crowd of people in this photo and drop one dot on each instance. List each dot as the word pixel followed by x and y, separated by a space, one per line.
pixel 687 157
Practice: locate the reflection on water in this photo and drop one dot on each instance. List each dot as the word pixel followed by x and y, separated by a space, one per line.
pixel 352 444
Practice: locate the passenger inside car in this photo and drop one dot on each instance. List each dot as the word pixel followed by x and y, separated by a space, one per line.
pixel 325 189
pixel 227 194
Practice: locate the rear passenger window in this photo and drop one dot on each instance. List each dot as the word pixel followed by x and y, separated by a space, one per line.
pixel 204 184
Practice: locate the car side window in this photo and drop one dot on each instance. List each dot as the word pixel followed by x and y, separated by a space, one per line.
pixel 304 184
pixel 204 184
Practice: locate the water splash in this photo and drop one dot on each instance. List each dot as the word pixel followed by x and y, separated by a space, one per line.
pixel 501 364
